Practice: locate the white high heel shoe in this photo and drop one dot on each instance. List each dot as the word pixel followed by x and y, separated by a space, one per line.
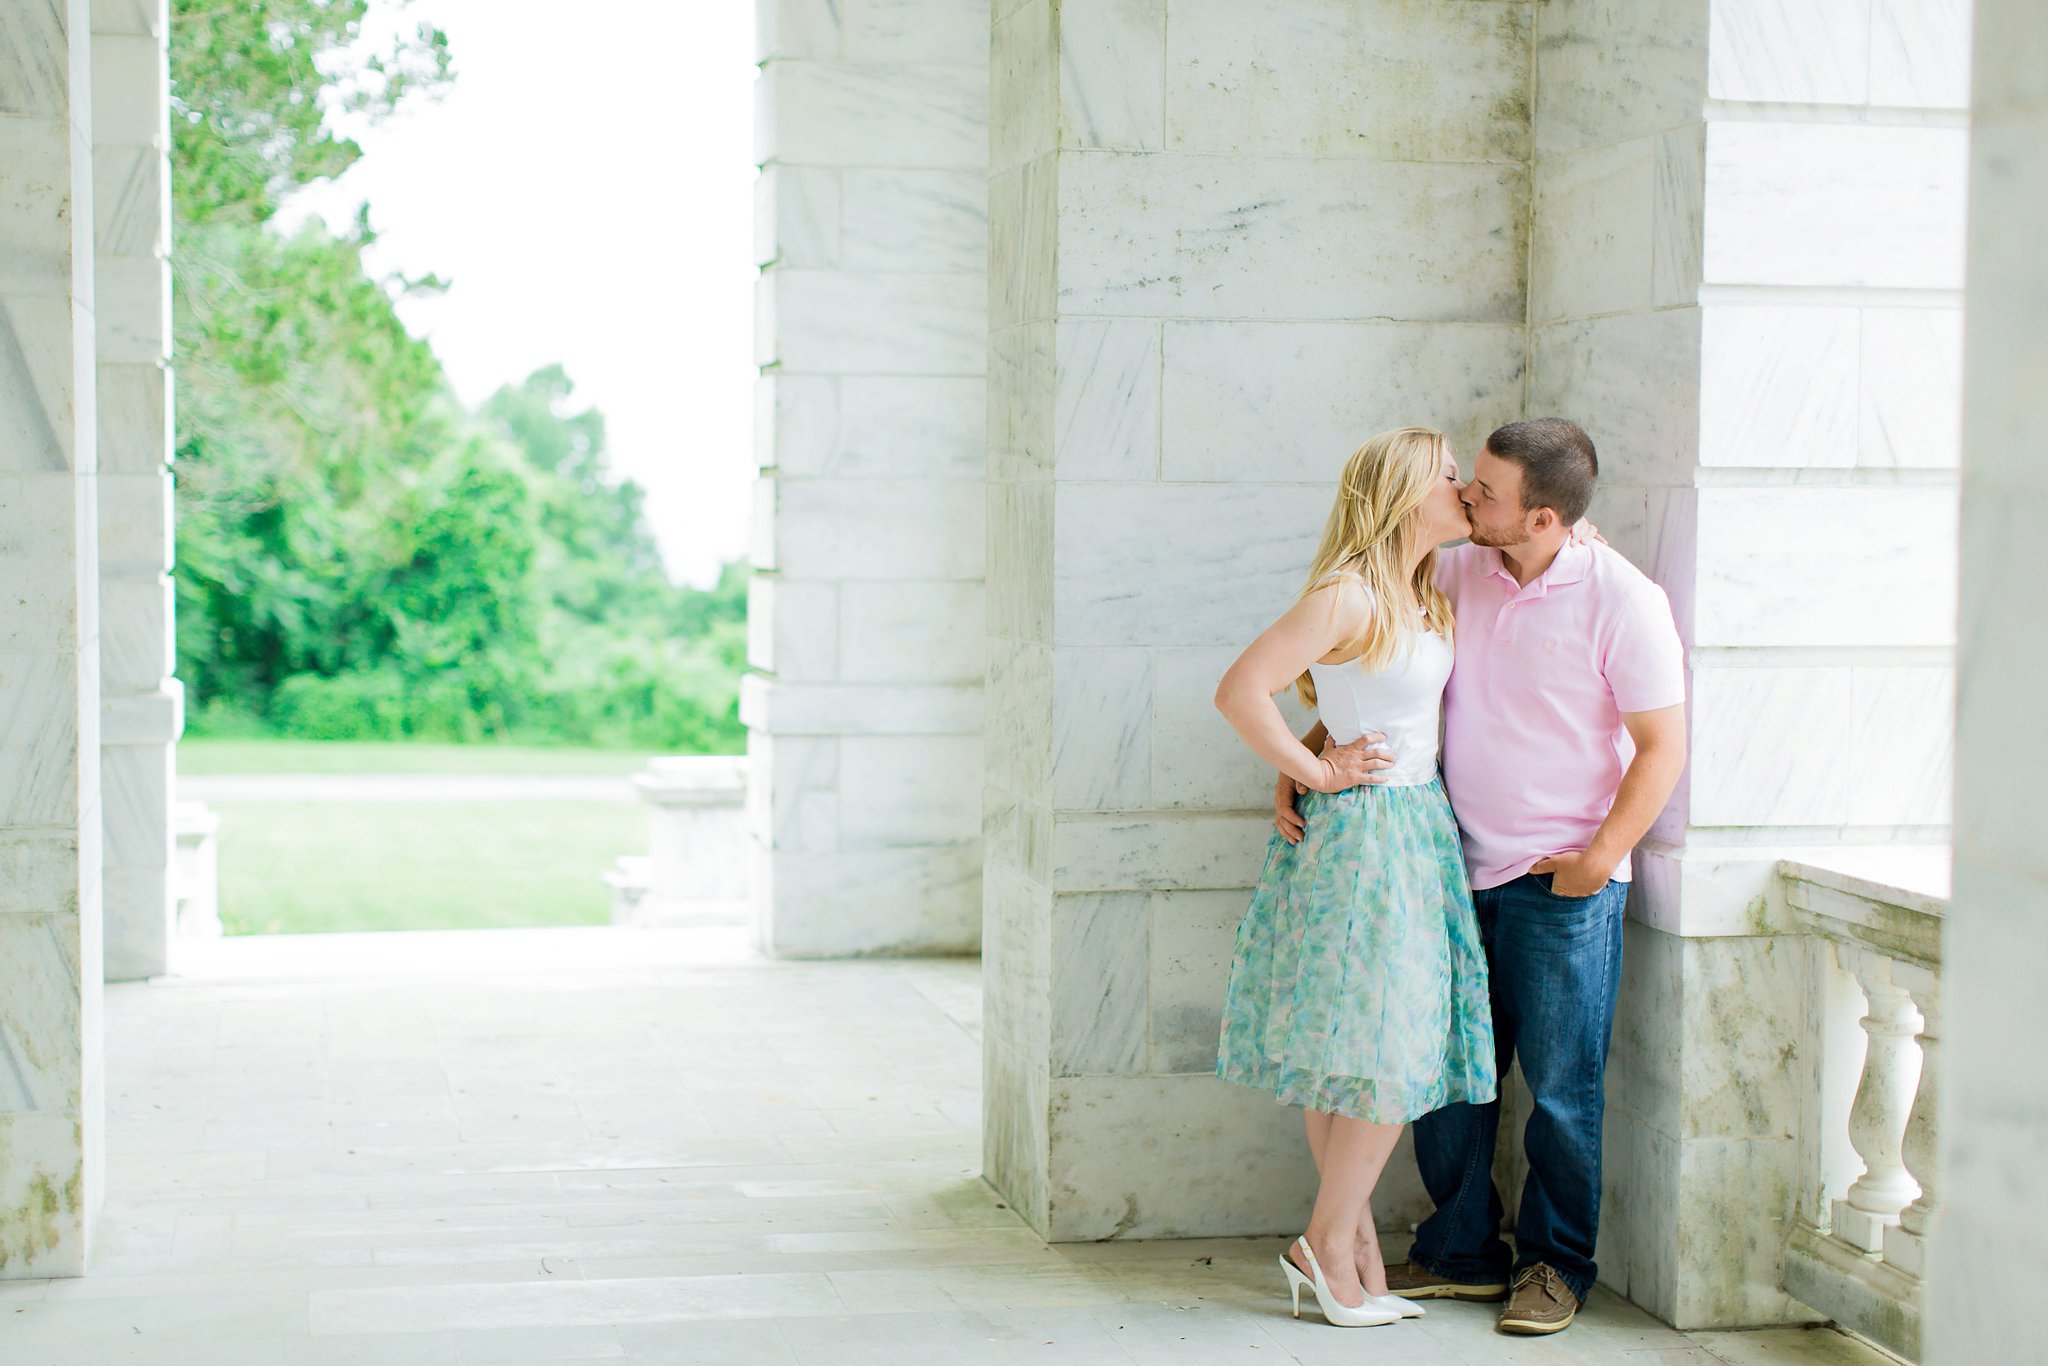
pixel 1368 1315
pixel 1394 1304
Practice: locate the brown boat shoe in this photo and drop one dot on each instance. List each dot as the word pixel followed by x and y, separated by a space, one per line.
pixel 1411 1282
pixel 1541 1302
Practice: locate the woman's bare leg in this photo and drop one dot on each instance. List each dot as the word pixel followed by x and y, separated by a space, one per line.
pixel 1318 1125
pixel 1354 1154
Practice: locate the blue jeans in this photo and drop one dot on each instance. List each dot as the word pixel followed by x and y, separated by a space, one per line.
pixel 1555 964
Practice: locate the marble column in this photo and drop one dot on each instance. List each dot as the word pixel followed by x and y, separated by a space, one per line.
pixel 1745 281
pixel 51 1090
pixel 1987 1253
pixel 140 701
pixel 1229 240
pixel 864 710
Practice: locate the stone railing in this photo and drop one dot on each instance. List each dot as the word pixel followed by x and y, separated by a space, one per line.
pixel 1857 1252
pixel 696 869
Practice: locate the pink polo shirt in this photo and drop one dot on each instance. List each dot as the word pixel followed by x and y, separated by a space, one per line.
pixel 1534 747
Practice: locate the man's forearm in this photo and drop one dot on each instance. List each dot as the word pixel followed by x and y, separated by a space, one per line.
pixel 1651 778
pixel 1314 740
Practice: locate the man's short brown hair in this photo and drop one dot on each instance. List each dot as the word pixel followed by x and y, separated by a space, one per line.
pixel 1559 469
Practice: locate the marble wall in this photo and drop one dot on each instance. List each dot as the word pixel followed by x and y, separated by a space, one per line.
pixel 1745 274
pixel 141 704
pixel 864 710
pixel 1228 241
pixel 51 1101
pixel 1988 1253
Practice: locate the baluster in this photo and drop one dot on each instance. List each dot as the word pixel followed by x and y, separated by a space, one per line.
pixel 1905 1245
pixel 1877 1119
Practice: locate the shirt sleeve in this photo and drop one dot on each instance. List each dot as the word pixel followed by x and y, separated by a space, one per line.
pixel 1644 661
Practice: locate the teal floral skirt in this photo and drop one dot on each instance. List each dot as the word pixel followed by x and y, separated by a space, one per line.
pixel 1358 986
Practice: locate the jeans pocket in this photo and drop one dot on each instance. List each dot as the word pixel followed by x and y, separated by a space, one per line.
pixel 1545 880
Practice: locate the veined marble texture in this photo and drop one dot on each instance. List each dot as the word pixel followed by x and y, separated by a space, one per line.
pixel 1920 53
pixel 843 709
pixel 925 899
pixel 1910 409
pixel 880 322
pixel 1594 231
pixel 796 217
pixel 914 30
pixel 130 89
pixel 1238 554
pixel 135 788
pixel 1371 78
pixel 41 696
pixel 35 206
pixel 1632 381
pixel 909 632
pixel 41 1039
pixel 1101 944
pixel 1112 74
pixel 844 113
pixel 1019 696
pixel 1779 386
pixel 1824 566
pixel 880 528
pixel 1102 729
pixel 45 1170
pixel 1197 762
pixel 1282 402
pixel 1193 935
pixel 1024 85
pixel 135 524
pixel 44 518
pixel 797 30
pixel 39 425
pixel 1022 396
pixel 1020 550
pixel 1902 744
pixel 1770 746
pixel 1106 405
pixel 1188 236
pixel 1024 230
pixel 134 309
pixel 793 628
pixel 1607 72
pixel 873 426
pixel 35 75
pixel 38 872
pixel 935 220
pixel 1829 204
pixel 1817 52
pixel 900 791
pixel 793 786
pixel 134 418
pixel 1163 852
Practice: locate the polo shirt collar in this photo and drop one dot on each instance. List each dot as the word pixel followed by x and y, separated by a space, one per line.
pixel 1573 563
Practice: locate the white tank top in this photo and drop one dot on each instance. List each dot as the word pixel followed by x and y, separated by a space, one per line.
pixel 1404 700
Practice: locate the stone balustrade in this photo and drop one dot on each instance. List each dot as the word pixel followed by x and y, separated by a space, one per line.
pixel 696 870
pixel 1858 1250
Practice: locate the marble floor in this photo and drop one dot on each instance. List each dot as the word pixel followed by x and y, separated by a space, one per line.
pixel 636 1146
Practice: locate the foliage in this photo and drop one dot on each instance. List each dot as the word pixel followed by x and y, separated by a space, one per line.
pixel 358 557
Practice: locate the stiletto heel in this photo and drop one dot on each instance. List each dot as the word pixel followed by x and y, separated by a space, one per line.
pixel 1371 1314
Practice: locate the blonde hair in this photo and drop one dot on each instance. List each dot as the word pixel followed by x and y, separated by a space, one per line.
pixel 1371 534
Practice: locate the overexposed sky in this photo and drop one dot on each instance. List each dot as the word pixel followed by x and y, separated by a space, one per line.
pixel 586 187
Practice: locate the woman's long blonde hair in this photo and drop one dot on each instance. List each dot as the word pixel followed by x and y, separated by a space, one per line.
pixel 1371 533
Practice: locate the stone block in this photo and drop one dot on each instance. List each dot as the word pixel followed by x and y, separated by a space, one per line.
pixel 1024 85
pixel 1281 402
pixel 1374 78
pixel 1615 377
pixel 1920 53
pixel 796 423
pixel 130 90
pixel 40 740
pixel 130 16
pixel 921 426
pixel 873 113
pixel 1023 241
pixel 911 633
pixel 134 309
pixel 1901 745
pixel 858 709
pixel 2002 662
pixel 135 805
pixel 793 629
pixel 797 30
pixel 1763 52
pixel 135 524
pixel 1911 406
pixel 131 201
pixel 1622 511
pixel 1825 566
pixel 1769 746
pixel 1179 564
pixel 39 872
pixel 37 421
pixel 1022 389
pixel 1019 698
pixel 1779 386
pixel 1835 204
pixel 1289 238
pixel 1112 73
pixel 932 220
pixel 1014 1117
pixel 954 31
pixel 877 901
pixel 1607 73
pixel 793 800
pixel 134 408
pixel 887 323
pixel 136 644
pixel 35 213
pixel 1017 964
pixel 1194 935
pixel 39 534
pixel 1677 232
pixel 45 1174
pixel 797 217
pixel 1593 237
pixel 851 529
pixel 140 923
pixel 900 791
pixel 1144 852
pixel 1101 729
pixel 1198 761
pixel 1020 552
pixel 1106 409
pixel 1101 945
pixel 40 1014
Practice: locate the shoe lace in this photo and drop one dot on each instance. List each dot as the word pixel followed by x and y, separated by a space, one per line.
pixel 1545 1278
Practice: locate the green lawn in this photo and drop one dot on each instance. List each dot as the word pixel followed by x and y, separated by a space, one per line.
pixel 335 756
pixel 301 867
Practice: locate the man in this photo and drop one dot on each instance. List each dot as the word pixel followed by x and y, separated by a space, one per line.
pixel 1564 735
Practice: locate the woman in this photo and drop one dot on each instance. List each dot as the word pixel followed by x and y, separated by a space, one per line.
pixel 1358 988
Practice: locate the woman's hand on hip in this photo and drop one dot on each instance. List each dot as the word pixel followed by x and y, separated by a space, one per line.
pixel 1356 764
